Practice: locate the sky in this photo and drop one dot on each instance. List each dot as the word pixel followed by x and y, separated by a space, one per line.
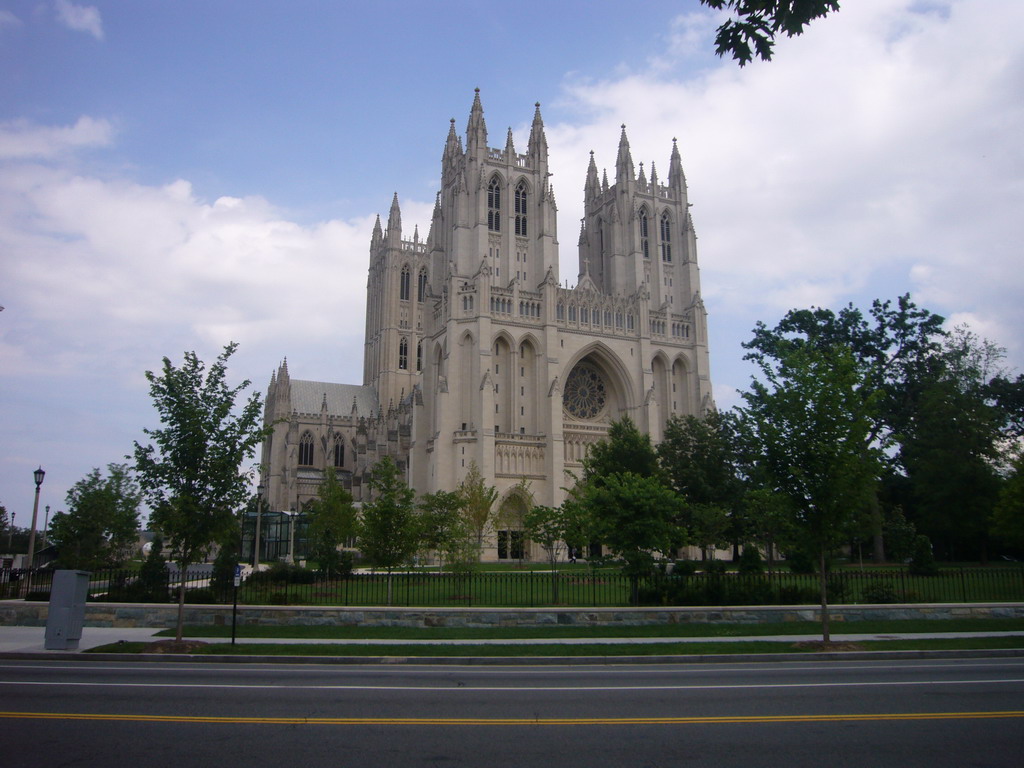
pixel 175 176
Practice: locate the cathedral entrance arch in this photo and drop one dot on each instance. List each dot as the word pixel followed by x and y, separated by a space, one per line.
pixel 595 392
pixel 511 540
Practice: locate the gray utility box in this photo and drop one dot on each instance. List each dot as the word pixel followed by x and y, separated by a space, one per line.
pixel 66 616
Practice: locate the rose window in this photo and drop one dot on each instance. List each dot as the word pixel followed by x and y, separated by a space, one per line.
pixel 584 395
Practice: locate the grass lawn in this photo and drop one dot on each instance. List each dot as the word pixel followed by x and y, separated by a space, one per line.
pixel 568 651
pixel 299 632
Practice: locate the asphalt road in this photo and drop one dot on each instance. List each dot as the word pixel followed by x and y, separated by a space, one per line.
pixel 967 712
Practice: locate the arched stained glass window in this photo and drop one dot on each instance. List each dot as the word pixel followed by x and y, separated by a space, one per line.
pixel 306 450
pixel 494 205
pixel 645 245
pixel 403 285
pixel 666 237
pixel 520 205
pixel 403 354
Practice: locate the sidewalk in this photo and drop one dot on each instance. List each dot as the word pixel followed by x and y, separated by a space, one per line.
pixel 31 639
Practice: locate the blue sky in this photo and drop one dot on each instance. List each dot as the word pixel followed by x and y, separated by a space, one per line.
pixel 177 175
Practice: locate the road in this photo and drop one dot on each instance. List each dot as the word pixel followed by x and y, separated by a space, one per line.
pixel 868 713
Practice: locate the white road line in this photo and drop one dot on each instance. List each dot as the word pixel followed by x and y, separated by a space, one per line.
pixel 517 689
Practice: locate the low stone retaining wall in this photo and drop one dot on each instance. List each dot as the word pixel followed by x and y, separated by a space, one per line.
pixel 20 613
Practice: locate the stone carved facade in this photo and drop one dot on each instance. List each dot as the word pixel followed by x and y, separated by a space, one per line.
pixel 475 354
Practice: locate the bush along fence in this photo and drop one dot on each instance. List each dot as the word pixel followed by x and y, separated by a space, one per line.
pixel 290 585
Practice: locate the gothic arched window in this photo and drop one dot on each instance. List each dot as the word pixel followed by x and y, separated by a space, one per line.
pixel 306 450
pixel 494 205
pixel 421 286
pixel 339 452
pixel 521 209
pixel 666 237
pixel 403 354
pixel 645 246
pixel 419 355
pixel 403 284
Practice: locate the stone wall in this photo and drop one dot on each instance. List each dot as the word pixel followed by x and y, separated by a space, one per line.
pixel 20 613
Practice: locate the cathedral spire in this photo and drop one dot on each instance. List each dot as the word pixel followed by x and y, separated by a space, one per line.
pixel 592 187
pixel 676 178
pixel 476 129
pixel 654 176
pixel 395 219
pixel 510 148
pixel 624 162
pixel 452 148
pixel 642 179
pixel 378 234
pixel 537 146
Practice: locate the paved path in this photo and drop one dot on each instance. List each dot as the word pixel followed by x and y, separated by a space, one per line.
pixel 31 639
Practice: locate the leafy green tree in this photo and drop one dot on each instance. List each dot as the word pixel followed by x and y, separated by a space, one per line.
pixel 332 522
pixel 1008 520
pixel 444 528
pixel 812 422
pixel 894 347
pixel 754 24
pixel 152 584
pixel 222 579
pixel 477 504
pixel 626 449
pixel 700 457
pixel 767 521
pixel 635 516
pixel 388 529
pixel 101 525
pixel 549 527
pixel 953 449
pixel 192 474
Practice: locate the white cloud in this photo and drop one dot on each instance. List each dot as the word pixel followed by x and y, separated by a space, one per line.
pixel 877 154
pixel 8 19
pixel 22 139
pixel 81 18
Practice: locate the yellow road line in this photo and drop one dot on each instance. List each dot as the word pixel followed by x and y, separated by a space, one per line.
pixel 748 719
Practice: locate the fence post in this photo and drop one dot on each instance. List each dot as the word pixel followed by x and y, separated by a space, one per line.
pixel 963 584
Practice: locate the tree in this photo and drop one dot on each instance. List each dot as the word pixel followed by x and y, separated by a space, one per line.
pixel 625 449
pixel 766 521
pixel 757 22
pixel 550 527
pixel 953 448
pixel 388 529
pixel 332 522
pixel 635 516
pixel 477 504
pixel 1008 519
pixel 444 529
pixel 101 524
pixel 192 474
pixel 893 347
pixel 700 458
pixel 812 422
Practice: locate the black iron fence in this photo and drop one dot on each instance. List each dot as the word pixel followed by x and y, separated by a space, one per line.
pixel 582 587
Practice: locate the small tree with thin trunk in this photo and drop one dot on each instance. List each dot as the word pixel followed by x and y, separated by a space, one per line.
pixel 388 533
pixel 478 504
pixel 192 473
pixel 811 420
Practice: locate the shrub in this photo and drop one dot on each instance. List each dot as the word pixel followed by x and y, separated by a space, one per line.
pixel 684 568
pixel 202 595
pixel 879 592
pixel 716 567
pixel 922 563
pixel 750 562
pixel 800 561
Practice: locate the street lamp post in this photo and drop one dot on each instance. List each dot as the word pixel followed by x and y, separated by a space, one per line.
pixel 291 537
pixel 46 525
pixel 9 532
pixel 38 476
pixel 259 516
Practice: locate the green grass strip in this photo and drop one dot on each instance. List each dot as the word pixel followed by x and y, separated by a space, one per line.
pixel 568 651
pixel 350 632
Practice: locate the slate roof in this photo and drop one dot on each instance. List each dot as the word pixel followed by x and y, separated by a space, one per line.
pixel 307 397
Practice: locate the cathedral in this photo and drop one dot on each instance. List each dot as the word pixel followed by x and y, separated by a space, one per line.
pixel 474 355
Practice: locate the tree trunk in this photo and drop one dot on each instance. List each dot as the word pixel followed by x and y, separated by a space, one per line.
pixel 823 583
pixel 877 539
pixel 181 602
